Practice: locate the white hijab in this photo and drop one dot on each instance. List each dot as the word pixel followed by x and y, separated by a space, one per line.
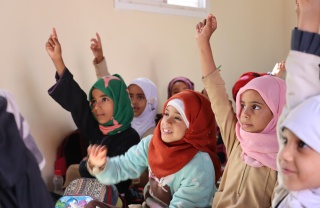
pixel 304 121
pixel 147 118
pixel 23 128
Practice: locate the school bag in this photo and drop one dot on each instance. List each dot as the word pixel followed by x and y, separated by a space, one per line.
pixel 92 187
pixel 72 150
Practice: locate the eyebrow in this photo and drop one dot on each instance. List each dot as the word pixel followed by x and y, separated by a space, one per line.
pixel 253 102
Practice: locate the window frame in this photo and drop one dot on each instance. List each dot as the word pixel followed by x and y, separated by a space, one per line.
pixel 162 7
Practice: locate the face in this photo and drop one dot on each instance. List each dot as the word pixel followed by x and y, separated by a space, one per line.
pixel 255 113
pixel 138 99
pixel 102 106
pixel 299 163
pixel 178 87
pixel 172 125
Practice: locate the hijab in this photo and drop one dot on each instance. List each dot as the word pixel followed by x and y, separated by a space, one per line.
pixel 303 121
pixel 260 149
pixel 115 88
pixel 168 158
pixel 185 80
pixel 146 120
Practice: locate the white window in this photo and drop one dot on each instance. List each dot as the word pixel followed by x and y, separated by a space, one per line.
pixel 195 8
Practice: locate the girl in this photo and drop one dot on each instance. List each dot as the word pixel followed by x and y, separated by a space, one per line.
pixel 298 128
pixel 181 173
pixel 143 93
pixel 249 135
pixel 179 84
pixel 106 119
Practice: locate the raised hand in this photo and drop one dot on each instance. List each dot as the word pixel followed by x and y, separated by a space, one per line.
pixel 97 156
pixel 308 13
pixel 205 28
pixel 96 48
pixel 279 69
pixel 53 48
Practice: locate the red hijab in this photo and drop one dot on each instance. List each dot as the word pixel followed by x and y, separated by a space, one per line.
pixel 168 158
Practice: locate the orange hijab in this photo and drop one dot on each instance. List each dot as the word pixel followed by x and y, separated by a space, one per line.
pixel 168 158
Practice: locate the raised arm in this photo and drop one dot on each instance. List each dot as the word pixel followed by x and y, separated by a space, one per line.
pixel 99 61
pixel 53 48
pixel 214 84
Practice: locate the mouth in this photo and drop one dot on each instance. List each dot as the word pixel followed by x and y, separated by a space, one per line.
pixel 135 108
pixel 166 131
pixel 287 171
pixel 244 126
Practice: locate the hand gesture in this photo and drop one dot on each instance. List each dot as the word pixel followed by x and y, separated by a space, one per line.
pixel 205 28
pixel 96 48
pixel 308 13
pixel 53 46
pixel 97 156
pixel 279 69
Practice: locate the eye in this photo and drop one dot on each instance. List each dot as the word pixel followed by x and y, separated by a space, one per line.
pixel 242 106
pixel 141 97
pixel 93 103
pixel 131 96
pixel 178 118
pixel 105 99
pixel 301 144
pixel 284 140
pixel 166 114
pixel 256 107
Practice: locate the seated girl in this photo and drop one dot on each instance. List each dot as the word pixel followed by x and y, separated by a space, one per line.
pixel 249 134
pixel 180 155
pixel 298 127
pixel 105 119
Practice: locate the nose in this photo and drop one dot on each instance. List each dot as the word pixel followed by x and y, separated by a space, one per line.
pixel 168 119
pixel 245 113
pixel 286 153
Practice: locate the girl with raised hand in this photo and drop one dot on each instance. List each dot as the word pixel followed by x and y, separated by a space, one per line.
pixel 143 93
pixel 180 155
pixel 249 134
pixel 105 119
pixel 298 126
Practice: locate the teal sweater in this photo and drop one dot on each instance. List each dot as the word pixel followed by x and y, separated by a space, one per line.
pixel 192 186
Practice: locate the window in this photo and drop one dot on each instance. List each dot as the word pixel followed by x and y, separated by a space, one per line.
pixel 195 8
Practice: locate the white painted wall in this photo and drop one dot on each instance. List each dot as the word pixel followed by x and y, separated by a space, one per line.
pixel 252 35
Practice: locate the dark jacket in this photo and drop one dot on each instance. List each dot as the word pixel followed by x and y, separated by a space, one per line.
pixel 71 97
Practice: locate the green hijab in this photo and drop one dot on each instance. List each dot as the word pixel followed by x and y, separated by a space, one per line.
pixel 115 88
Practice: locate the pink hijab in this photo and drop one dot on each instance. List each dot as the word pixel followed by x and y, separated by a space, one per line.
pixel 260 149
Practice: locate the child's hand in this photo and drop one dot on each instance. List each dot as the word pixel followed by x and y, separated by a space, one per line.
pixel 97 156
pixel 96 48
pixel 53 46
pixel 279 69
pixel 205 28
pixel 308 13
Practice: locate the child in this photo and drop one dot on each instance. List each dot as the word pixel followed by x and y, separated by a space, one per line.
pixel 178 156
pixel 179 84
pixel 106 119
pixel 21 184
pixel 298 127
pixel 143 93
pixel 249 135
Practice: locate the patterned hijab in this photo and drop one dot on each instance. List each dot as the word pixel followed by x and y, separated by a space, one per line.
pixel 115 88
pixel 168 158
pixel 187 81
pixel 146 120
pixel 260 149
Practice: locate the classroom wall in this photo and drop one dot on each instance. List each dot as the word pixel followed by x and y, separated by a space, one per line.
pixel 251 36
